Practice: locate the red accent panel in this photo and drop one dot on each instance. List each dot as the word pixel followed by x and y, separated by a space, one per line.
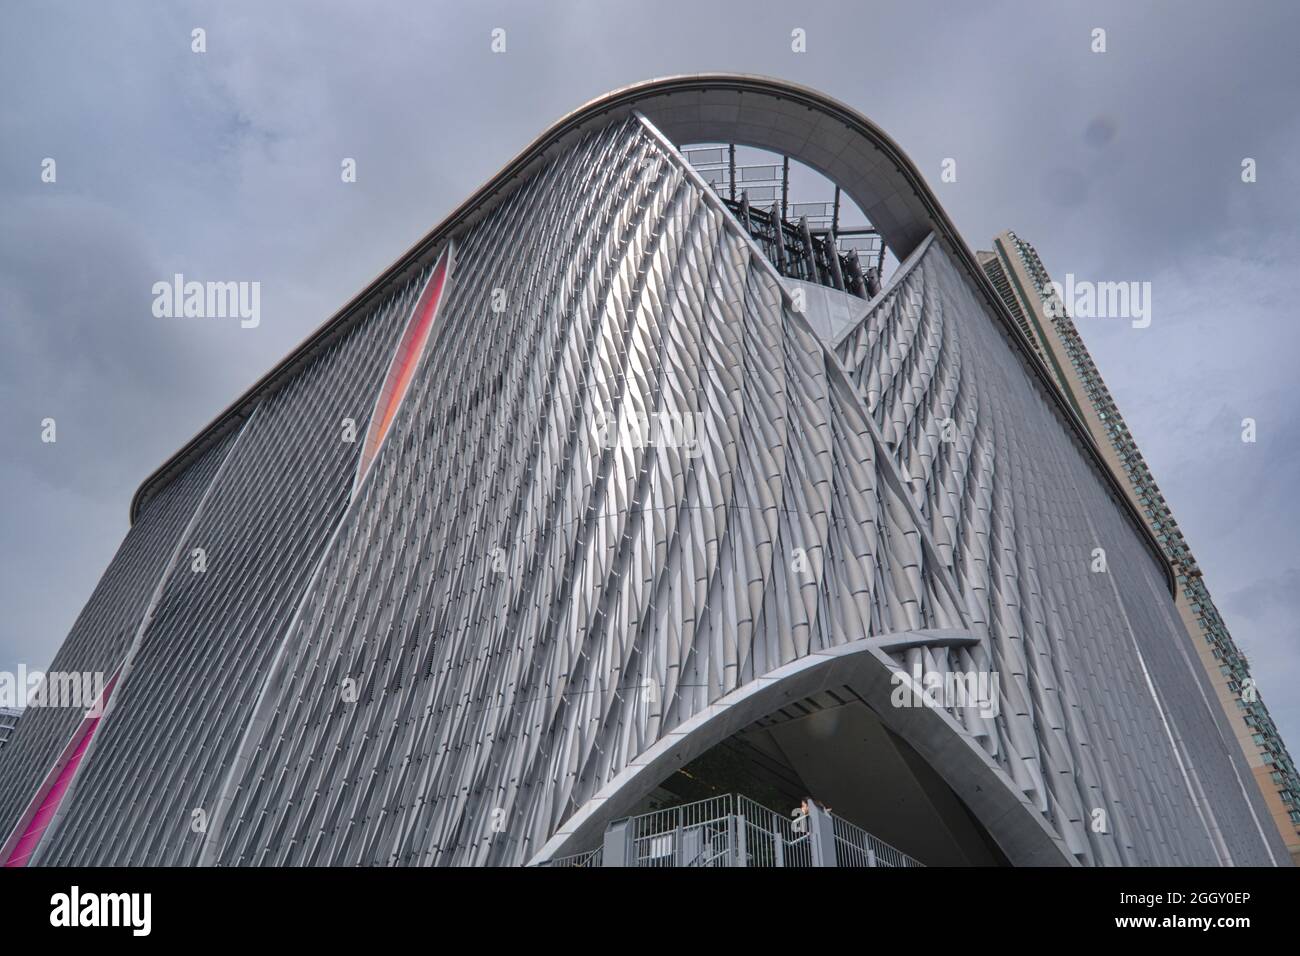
pixel 26 844
pixel 402 370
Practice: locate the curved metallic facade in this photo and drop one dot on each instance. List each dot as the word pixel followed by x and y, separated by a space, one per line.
pixel 499 633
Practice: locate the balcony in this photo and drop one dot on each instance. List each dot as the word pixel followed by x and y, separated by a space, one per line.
pixel 732 830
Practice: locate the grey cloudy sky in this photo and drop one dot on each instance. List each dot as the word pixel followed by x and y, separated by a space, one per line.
pixel 1117 166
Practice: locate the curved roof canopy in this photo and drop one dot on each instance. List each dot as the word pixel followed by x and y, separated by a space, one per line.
pixel 824 134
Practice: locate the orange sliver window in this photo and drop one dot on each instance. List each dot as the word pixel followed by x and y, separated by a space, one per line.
pixel 405 361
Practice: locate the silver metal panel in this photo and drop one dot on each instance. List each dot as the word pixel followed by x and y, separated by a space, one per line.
pixel 515 610
pixel 1102 708
pixel 101 634
pixel 636 585
pixel 163 748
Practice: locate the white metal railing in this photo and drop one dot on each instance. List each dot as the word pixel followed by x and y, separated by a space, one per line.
pixel 854 846
pixel 733 830
pixel 592 858
pixel 693 834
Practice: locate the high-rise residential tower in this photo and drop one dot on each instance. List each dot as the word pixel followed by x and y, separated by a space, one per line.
pixel 1021 279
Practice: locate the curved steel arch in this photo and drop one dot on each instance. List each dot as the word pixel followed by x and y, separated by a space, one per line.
pixel 800 122
pixel 865 668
